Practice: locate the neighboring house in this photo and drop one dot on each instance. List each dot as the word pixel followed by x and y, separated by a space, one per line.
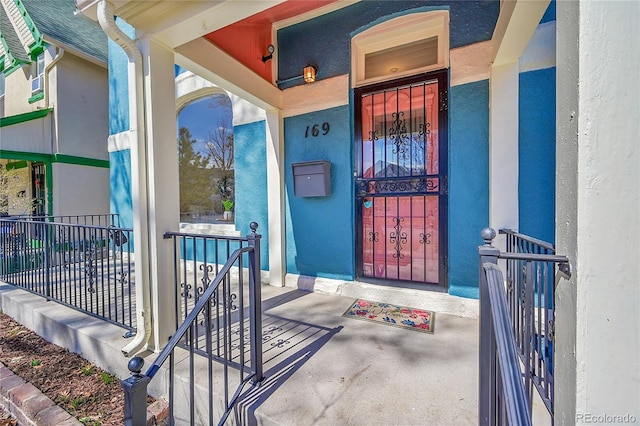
pixel 425 122
pixel 53 106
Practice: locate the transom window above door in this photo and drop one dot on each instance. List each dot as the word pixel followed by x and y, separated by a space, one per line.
pixel 406 45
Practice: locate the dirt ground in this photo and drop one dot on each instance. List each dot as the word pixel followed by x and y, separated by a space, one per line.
pixel 93 396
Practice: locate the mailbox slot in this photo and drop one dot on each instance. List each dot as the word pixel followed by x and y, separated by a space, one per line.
pixel 312 178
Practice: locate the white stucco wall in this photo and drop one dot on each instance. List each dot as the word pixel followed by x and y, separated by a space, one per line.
pixel 190 87
pixel 80 98
pixel 323 94
pixel 541 50
pixel 470 63
pixel 598 213
pixel 80 189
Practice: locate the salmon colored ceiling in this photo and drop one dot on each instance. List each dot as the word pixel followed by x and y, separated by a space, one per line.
pixel 247 40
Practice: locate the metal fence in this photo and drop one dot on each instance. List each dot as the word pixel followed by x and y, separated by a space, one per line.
pixel 531 283
pixel 217 349
pixel 86 267
pixel 199 259
pixel 529 290
pixel 105 219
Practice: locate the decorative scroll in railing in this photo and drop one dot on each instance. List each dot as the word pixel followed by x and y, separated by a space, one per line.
pixel 217 349
pixel 530 293
pixel 86 267
pixel 394 185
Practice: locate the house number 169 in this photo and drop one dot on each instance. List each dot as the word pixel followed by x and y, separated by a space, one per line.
pixel 315 130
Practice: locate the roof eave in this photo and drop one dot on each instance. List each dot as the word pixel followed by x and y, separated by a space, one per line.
pixel 75 51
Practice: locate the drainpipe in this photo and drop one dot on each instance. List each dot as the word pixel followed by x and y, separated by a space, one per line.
pixel 139 176
pixel 47 70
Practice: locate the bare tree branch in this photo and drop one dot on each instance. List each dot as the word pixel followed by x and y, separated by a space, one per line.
pixel 220 147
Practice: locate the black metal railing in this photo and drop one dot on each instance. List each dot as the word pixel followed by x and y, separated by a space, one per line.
pixel 200 258
pixel 531 286
pixel 104 219
pixel 508 404
pixel 88 268
pixel 217 349
pixel 529 290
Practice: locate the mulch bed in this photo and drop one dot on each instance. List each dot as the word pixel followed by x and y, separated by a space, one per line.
pixel 92 395
pixel 7 419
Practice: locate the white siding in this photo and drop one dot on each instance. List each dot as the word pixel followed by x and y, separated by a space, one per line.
pixel 30 136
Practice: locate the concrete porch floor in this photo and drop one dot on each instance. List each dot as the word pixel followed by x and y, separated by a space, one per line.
pixel 361 373
pixel 329 370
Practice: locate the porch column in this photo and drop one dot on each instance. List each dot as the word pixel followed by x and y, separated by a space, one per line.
pixel 597 339
pixel 163 184
pixel 516 25
pixel 503 147
pixel 275 188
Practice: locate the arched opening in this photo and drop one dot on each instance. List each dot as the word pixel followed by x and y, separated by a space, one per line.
pixel 206 160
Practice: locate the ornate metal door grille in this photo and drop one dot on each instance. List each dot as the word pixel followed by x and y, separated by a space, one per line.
pixel 401 182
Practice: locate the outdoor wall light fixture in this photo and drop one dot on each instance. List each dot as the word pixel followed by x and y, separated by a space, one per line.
pixel 270 49
pixel 309 73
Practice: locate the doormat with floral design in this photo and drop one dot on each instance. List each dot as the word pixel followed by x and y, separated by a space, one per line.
pixel 399 316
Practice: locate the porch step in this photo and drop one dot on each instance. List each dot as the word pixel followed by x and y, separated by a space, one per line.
pixel 412 297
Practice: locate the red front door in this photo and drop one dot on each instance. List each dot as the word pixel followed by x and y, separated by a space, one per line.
pixel 401 180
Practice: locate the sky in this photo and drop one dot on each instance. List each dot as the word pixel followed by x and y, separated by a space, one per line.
pixel 201 118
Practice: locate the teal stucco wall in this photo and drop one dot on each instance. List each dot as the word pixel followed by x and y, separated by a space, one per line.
pixel 468 183
pixel 251 197
pixel 537 154
pixel 119 83
pixel 120 161
pixel 326 41
pixel 120 183
pixel 319 230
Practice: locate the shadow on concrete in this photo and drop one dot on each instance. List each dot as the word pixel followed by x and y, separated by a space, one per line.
pixel 287 345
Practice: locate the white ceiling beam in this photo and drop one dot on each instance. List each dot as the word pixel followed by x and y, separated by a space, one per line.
pixel 212 63
pixel 516 24
pixel 218 16
pixel 176 22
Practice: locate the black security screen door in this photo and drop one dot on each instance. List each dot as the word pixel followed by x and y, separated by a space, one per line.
pixel 401 182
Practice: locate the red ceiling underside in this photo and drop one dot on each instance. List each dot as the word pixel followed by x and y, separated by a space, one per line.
pixel 247 40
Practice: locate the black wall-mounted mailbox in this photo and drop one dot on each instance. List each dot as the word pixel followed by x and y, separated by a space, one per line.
pixel 312 178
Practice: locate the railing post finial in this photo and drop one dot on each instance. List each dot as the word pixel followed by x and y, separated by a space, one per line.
pixel 253 226
pixel 135 365
pixel 488 234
